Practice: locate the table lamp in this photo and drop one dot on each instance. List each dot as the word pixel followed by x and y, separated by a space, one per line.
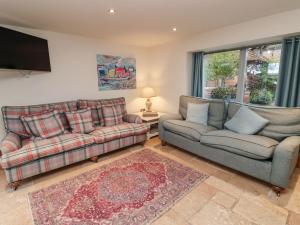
pixel 148 93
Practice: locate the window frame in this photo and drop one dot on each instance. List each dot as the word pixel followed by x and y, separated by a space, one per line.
pixel 242 70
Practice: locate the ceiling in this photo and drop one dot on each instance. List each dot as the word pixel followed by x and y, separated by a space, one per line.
pixel 137 22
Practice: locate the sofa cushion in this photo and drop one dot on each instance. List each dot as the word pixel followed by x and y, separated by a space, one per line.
pixel 246 121
pixel 13 123
pixel 10 143
pixel 93 104
pixel 39 148
pixel 105 134
pixel 252 146
pixel 190 130
pixel 45 125
pixel 216 109
pixel 283 122
pixel 197 113
pixel 81 121
pixel 112 114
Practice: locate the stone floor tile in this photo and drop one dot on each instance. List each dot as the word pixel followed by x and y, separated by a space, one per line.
pixel 250 184
pixel 224 186
pixel 194 201
pixel 293 219
pixel 171 218
pixel 224 199
pixel 223 175
pixel 260 211
pixel 214 214
pixel 201 165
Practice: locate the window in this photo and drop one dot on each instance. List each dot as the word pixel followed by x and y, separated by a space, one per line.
pixel 248 75
pixel 221 74
pixel 262 74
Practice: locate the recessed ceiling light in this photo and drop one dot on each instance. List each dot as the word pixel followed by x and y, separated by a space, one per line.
pixel 112 11
pixel 174 29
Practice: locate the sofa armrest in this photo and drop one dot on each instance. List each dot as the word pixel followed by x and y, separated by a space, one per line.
pixel 132 118
pixel 11 142
pixel 284 161
pixel 164 118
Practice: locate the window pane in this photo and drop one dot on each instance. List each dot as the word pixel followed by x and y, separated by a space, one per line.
pixel 262 74
pixel 221 75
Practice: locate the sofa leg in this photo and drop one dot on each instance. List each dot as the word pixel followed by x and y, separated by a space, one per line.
pixel 94 159
pixel 143 143
pixel 277 190
pixel 163 143
pixel 14 185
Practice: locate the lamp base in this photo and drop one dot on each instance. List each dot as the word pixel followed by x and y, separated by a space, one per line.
pixel 150 114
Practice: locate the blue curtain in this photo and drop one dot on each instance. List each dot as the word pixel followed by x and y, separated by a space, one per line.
pixel 197 76
pixel 288 87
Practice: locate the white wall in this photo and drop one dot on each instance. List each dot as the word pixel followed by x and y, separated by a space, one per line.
pixel 170 64
pixel 74 73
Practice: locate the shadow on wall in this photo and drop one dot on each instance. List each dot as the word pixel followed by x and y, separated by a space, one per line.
pixel 12 74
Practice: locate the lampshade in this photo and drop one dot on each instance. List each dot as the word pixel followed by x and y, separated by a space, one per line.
pixel 148 92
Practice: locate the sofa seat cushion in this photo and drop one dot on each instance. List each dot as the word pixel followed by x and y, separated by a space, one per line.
pixel 105 134
pixel 39 148
pixel 252 146
pixel 190 130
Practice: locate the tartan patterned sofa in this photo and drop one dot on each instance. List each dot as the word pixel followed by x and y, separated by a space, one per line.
pixel 23 156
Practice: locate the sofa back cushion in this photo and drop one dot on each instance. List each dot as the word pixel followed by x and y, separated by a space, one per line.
pixel 112 114
pixel 216 111
pixel 283 122
pixel 81 121
pixel 44 125
pixel 97 103
pixel 12 114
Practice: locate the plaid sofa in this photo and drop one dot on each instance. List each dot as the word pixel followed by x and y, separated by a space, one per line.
pixel 23 156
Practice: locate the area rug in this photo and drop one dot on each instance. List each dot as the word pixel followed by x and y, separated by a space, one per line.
pixel 134 190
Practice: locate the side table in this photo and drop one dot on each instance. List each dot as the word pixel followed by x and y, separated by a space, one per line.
pixel 152 123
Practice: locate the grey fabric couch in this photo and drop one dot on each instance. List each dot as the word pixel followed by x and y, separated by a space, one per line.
pixel 271 155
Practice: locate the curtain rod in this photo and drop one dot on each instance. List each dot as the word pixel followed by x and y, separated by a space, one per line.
pixel 240 48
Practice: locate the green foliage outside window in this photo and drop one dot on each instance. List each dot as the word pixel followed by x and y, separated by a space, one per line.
pixel 223 93
pixel 222 66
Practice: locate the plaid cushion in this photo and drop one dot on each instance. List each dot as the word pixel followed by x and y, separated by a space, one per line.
pixel 112 114
pixel 81 121
pixel 41 148
pixel 104 134
pixel 93 104
pixel 13 123
pixel 44 125
pixel 27 128
pixel 65 158
pixel 10 143
pixel 132 118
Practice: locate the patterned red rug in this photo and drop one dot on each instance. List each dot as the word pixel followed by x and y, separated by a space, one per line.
pixel 133 190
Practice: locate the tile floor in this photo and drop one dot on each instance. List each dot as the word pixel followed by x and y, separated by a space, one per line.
pixel 226 197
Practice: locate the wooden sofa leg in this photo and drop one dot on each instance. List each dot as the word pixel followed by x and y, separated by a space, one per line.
pixel 277 190
pixel 14 185
pixel 143 143
pixel 163 143
pixel 94 159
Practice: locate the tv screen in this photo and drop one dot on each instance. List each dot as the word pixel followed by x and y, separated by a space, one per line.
pixel 23 52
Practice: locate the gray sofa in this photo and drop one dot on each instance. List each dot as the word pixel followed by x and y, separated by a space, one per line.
pixel 271 155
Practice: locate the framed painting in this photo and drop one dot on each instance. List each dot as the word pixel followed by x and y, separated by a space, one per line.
pixel 116 72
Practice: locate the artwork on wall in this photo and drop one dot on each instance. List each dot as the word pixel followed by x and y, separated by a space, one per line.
pixel 115 72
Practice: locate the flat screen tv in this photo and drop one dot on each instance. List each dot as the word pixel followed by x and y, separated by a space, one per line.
pixel 21 51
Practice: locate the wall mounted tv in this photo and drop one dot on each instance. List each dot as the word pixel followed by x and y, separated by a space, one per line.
pixel 21 51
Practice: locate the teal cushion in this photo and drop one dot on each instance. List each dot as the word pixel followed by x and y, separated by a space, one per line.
pixel 245 121
pixel 190 130
pixel 252 146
